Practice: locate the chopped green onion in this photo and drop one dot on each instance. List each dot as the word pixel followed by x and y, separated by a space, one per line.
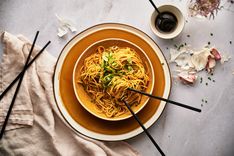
pixel 130 68
pixel 130 60
pixel 105 57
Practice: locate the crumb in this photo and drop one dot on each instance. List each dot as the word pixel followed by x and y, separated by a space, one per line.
pixel 201 80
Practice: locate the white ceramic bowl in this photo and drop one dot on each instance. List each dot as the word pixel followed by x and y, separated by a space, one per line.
pixel 85 99
pixel 180 22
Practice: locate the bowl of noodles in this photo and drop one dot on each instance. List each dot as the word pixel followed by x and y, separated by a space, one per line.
pixel 104 72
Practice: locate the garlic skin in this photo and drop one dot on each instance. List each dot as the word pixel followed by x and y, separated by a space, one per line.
pixel 182 57
pixel 200 58
pixel 64 26
pixel 61 32
pixel 191 62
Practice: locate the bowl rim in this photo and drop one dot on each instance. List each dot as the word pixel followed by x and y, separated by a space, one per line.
pixel 74 79
pixel 172 34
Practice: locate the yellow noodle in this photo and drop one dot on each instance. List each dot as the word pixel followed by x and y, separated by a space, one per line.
pixel 108 73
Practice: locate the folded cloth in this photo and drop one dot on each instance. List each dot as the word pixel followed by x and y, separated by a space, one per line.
pixel 36 126
pixel 13 61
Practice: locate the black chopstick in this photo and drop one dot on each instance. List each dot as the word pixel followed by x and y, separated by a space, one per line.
pixel 167 100
pixel 143 127
pixel 18 87
pixel 21 73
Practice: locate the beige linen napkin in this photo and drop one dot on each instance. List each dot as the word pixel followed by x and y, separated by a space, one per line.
pixel 35 126
pixel 10 66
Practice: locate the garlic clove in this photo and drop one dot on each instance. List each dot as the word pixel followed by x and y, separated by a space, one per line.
pixel 216 54
pixel 210 64
pixel 187 78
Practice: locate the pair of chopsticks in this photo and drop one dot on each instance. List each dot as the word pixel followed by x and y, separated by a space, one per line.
pixel 20 77
pixel 159 98
pixel 143 127
pixel 167 100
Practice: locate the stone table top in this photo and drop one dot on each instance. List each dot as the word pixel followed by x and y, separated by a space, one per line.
pixel 178 131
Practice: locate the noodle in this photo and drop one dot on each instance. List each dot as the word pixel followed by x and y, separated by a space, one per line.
pixel 108 73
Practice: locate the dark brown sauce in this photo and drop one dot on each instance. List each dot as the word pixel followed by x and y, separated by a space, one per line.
pixel 166 22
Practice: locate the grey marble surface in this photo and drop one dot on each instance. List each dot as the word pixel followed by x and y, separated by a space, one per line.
pixel 178 131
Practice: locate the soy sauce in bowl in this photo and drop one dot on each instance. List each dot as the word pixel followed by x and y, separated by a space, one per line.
pixel 166 22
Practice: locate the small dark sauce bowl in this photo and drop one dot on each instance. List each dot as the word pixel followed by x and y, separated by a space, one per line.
pixel 169 23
